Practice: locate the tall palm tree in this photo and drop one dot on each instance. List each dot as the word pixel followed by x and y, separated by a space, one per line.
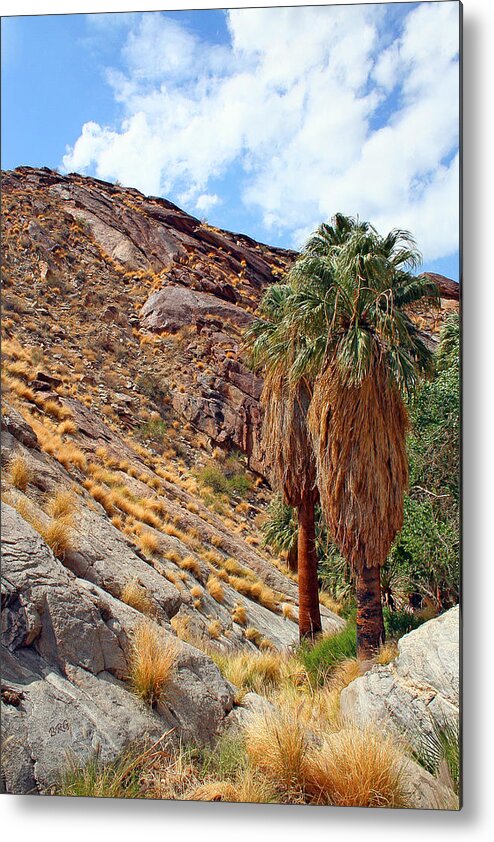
pixel 288 446
pixel 363 353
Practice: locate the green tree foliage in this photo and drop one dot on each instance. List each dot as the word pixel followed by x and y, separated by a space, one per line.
pixel 426 554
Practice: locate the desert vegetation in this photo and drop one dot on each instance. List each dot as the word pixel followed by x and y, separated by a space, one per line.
pixel 137 457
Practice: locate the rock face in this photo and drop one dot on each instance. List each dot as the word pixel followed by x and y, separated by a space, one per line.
pixel 174 307
pixel 417 691
pixel 65 659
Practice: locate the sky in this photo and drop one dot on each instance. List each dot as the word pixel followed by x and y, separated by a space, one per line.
pixel 263 121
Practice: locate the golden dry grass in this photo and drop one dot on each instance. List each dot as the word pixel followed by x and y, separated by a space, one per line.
pixel 69 455
pixel 215 589
pixel 356 768
pixel 249 787
pixel 58 535
pixel 239 614
pixel 67 428
pixel 20 388
pixel 153 660
pixel 387 653
pixel 134 594
pixel 19 472
pixel 191 564
pixel 54 408
pixel 215 629
pixel 289 612
pixel 61 504
pixel 181 626
pixel 330 603
pixel 148 543
pixel 258 671
pixel 254 635
pixel 277 744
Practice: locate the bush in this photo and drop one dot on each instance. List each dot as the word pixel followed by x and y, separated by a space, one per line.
pixel 319 660
pixel 154 430
pixel 398 623
pixel 231 481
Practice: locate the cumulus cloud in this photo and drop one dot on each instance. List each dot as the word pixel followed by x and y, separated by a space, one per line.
pixel 318 109
pixel 206 201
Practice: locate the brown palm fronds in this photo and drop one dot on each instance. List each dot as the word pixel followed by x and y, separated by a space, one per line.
pixel 289 450
pixel 362 469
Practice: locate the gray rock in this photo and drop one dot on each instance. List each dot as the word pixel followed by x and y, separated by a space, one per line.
pixel 14 424
pixel 416 692
pixel 171 308
pixel 65 659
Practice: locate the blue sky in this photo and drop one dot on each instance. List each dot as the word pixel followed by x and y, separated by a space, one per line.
pixel 264 121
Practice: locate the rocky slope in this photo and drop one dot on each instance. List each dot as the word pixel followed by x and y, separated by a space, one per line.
pixel 133 467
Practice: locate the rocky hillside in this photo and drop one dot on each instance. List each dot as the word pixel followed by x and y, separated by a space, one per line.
pixel 132 482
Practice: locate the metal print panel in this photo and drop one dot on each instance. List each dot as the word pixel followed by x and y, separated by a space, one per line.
pixel 230 405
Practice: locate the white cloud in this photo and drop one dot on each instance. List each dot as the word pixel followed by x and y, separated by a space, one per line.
pixel 295 101
pixel 206 201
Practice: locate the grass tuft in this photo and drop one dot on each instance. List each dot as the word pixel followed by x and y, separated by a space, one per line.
pixel 153 660
pixel 134 594
pixel 215 589
pixel 20 473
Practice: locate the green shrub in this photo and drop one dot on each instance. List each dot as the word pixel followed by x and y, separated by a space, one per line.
pixel 398 623
pixel 154 430
pixel 229 482
pixel 328 652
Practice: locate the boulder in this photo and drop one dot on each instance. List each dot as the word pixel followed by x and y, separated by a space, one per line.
pixel 174 307
pixel 13 423
pixel 419 690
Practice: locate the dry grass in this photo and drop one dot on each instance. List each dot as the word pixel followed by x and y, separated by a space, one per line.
pixel 58 535
pixel 61 504
pixel 329 603
pixel 20 388
pixel 277 744
pixel 254 635
pixel 70 456
pixel 215 589
pixel 259 671
pixel 289 612
pixel 19 472
pixel 191 564
pixel 134 594
pixel 67 428
pixel 387 653
pixel 181 626
pixel 239 614
pixel 148 543
pixel 55 409
pixel 249 787
pixel 355 768
pixel 215 629
pixel 153 661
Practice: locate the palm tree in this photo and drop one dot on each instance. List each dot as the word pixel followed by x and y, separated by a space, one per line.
pixel 288 446
pixel 363 354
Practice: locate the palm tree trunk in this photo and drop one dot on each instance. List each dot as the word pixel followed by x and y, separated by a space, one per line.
pixel 370 623
pixel 309 617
